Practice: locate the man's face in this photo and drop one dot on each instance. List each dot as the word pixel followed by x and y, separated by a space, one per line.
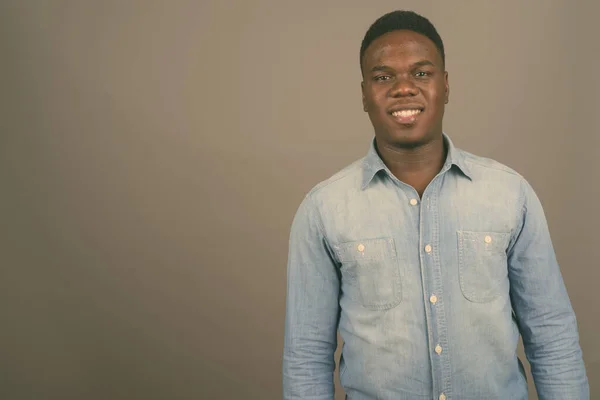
pixel 404 88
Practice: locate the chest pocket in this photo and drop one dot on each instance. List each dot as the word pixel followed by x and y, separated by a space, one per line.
pixel 483 265
pixel 371 273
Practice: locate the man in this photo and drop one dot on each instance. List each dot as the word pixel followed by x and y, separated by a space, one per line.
pixel 429 260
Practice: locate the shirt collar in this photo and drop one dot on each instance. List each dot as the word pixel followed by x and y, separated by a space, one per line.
pixel 372 163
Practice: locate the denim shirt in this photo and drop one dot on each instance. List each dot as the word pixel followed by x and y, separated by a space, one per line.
pixel 429 294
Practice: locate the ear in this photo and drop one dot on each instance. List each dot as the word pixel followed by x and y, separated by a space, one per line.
pixel 364 99
pixel 447 88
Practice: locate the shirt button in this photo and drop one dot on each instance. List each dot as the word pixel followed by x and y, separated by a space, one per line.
pixel 442 396
pixel 413 202
pixel 361 247
pixel 438 349
pixel 488 239
pixel 433 299
pixel 428 248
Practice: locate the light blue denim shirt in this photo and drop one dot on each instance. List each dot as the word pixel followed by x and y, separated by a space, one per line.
pixel 429 294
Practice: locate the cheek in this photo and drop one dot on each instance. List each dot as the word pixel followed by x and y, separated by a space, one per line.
pixel 379 100
pixel 439 91
pixel 375 94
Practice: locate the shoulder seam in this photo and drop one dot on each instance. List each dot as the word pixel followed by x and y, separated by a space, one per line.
pixel 334 178
pixel 470 158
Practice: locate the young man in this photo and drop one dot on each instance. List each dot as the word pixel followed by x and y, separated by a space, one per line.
pixel 429 260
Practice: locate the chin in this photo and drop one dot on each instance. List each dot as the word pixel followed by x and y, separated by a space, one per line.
pixel 409 138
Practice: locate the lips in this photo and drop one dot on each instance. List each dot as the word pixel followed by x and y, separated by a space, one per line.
pixel 406 115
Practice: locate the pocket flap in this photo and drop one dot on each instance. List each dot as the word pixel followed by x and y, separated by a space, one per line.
pixel 369 249
pixel 484 241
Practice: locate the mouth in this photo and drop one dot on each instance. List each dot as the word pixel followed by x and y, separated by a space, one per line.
pixel 406 115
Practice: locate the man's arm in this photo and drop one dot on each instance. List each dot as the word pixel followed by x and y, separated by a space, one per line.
pixel 543 309
pixel 312 310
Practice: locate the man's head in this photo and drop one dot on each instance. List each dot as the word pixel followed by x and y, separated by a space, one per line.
pixel 405 85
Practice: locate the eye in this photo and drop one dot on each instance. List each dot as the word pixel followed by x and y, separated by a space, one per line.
pixel 423 74
pixel 382 78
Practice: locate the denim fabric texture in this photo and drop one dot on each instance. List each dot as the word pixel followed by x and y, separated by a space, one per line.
pixel 429 294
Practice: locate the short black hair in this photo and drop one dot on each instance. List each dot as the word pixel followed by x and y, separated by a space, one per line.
pixel 400 20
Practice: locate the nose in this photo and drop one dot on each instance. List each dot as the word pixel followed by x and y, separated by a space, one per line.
pixel 403 87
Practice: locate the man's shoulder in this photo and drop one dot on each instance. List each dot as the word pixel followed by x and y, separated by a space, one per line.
pixel 495 176
pixel 486 166
pixel 345 179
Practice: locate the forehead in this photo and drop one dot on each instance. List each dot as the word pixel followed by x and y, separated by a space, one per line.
pixel 401 46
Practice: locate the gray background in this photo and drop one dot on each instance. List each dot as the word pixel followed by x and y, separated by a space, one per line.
pixel 153 153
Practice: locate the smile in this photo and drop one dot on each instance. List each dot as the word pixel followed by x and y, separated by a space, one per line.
pixel 406 116
pixel 406 113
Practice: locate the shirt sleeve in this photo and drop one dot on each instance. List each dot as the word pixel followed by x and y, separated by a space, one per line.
pixel 543 309
pixel 312 310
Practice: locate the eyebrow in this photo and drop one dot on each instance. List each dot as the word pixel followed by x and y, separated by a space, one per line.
pixel 421 63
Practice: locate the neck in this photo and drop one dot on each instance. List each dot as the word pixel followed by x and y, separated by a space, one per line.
pixel 414 166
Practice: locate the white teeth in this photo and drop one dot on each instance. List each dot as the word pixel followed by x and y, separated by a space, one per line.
pixel 406 113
